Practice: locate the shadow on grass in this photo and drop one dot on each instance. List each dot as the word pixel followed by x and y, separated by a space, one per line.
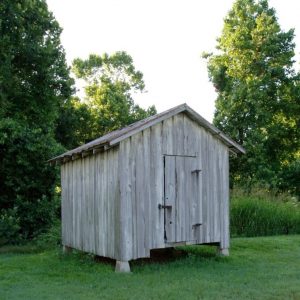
pixel 167 255
pixel 157 257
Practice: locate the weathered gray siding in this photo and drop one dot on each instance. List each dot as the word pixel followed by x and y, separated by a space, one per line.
pixel 142 185
pixel 90 190
pixel 110 199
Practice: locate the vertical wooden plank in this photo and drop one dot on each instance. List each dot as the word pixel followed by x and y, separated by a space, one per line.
pixel 191 140
pixel 214 189
pixel 118 229
pixel 115 189
pixel 192 146
pixel 73 205
pixel 147 183
pixel 211 189
pixel 192 192
pixel 140 196
pixel 134 202
pixel 107 201
pixel 86 204
pixel 96 203
pixel 157 185
pixel 136 217
pixel 205 190
pixel 167 137
pixel 64 216
pixel 125 202
pixel 220 192
pixel 83 204
pixel 225 235
pixel 170 199
pixel 92 203
pixel 78 198
pixel 111 195
pixel 199 206
pixel 69 210
pixel 218 151
pixel 178 134
pixel 70 206
pixel 187 198
pixel 180 184
pixel 103 196
pixel 196 202
pixel 110 202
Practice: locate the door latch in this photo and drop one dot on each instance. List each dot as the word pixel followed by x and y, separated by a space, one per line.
pixel 160 206
pixel 196 225
pixel 197 171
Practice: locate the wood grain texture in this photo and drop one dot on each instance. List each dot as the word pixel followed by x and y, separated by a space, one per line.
pixel 89 195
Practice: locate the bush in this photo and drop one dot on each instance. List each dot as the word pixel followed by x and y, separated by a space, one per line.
pixel 27 181
pixel 50 238
pixel 254 216
pixel 290 178
pixel 9 227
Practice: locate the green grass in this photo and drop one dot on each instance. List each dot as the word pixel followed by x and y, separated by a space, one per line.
pixel 260 216
pixel 258 268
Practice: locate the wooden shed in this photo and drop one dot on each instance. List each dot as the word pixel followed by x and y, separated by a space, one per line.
pixel 160 182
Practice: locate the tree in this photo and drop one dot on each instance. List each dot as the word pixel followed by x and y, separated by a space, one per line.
pixel 75 123
pixel 258 91
pixel 34 83
pixel 110 83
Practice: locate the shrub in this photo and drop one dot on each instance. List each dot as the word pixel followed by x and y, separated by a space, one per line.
pixel 254 216
pixel 50 238
pixel 9 227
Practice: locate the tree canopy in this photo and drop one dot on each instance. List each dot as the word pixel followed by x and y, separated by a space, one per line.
pixel 34 82
pixel 258 92
pixel 110 84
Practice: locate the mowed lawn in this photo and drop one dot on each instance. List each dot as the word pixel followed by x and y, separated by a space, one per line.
pixel 258 268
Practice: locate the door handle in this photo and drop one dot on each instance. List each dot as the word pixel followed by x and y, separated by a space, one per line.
pixel 160 206
pixel 196 225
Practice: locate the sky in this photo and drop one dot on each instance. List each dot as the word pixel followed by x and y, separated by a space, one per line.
pixel 165 39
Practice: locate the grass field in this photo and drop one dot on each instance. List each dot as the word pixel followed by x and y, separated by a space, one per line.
pixel 258 268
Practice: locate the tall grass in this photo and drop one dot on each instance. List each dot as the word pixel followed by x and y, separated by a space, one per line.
pixel 262 216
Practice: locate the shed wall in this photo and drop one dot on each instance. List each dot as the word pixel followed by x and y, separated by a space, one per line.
pixel 90 191
pixel 141 172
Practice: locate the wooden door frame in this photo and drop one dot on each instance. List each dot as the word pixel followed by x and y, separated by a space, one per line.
pixel 173 208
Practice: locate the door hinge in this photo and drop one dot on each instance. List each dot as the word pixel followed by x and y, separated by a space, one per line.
pixel 196 171
pixel 160 206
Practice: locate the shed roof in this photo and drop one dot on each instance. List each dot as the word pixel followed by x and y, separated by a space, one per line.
pixel 117 136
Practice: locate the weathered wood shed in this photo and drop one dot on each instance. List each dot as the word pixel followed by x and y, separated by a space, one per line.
pixel 157 183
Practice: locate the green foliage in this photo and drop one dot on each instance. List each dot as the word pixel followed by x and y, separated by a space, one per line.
pixel 34 83
pixel 75 123
pixel 290 178
pixel 9 227
pixel 258 90
pixel 110 83
pixel 34 78
pixel 51 238
pixel 254 216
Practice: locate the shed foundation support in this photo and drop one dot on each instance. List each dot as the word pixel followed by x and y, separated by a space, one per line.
pixel 67 249
pixel 122 267
pixel 223 251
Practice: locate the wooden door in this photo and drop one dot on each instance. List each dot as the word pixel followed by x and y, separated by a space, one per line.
pixel 182 198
